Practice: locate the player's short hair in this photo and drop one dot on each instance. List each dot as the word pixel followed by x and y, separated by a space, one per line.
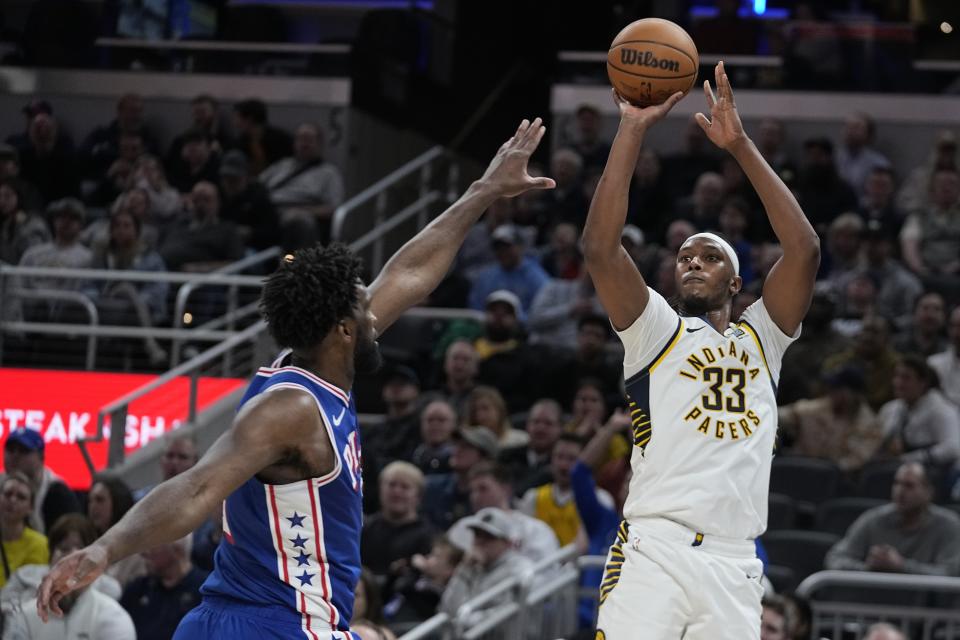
pixel 500 473
pixel 309 293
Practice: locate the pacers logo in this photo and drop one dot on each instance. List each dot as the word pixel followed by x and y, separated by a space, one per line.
pixel 600 635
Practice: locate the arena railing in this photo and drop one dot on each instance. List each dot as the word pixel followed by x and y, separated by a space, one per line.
pixel 71 297
pixel 426 168
pixel 861 598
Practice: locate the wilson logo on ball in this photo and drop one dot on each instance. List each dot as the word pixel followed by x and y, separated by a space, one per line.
pixel 647 59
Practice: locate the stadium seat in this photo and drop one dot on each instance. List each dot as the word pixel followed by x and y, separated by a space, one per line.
pixel 836 516
pixel 800 551
pixel 809 481
pixel 782 578
pixel 781 513
pixel 876 479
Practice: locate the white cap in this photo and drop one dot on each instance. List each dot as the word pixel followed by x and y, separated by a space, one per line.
pixel 727 248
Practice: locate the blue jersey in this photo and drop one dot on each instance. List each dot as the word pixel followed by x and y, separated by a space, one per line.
pixel 293 550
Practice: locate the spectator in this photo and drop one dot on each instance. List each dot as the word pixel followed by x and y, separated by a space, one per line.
pixel 109 499
pixel 823 193
pixel 157 601
pixel 884 631
pixel 681 170
pixel 10 170
pixel 21 544
pixel 567 202
pixel 50 497
pixel 127 303
pixel 925 334
pixel 562 259
pixel 180 454
pixel 136 202
pixel 200 241
pixel 368 603
pixel 644 255
pixel 857 303
pixel 559 307
pixel 920 425
pixel 102 146
pixel 492 486
pixel 947 363
pixel 391 537
pixel 589 412
pixel 119 176
pixel 446 497
pixel 587 142
pixel 649 201
pixel 877 202
pixel 204 117
pixel 490 561
pixel 843 246
pixel 914 195
pixel 514 272
pixel 19 230
pixel 437 423
pixel 771 140
pixel 909 535
pixel 199 162
pixel 263 143
pixel 838 426
pixel 460 366
pixel 91 612
pixel 476 253
pixel 305 188
pixel 870 352
pixel 775 620
pixel 930 239
pixel 247 204
pixel 399 434
pixel 49 161
pixel 417 593
pixel 485 407
pixel 856 157
pixel 702 207
pixel 590 359
pixel 529 465
pixel 818 342
pixel 164 200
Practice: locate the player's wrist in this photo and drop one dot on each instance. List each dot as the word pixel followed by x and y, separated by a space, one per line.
pixel 740 145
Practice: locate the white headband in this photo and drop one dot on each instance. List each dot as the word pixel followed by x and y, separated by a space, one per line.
pixel 727 248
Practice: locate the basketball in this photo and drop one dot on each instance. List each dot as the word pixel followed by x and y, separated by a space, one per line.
pixel 650 60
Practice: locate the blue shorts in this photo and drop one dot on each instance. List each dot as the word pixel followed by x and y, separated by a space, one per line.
pixel 218 619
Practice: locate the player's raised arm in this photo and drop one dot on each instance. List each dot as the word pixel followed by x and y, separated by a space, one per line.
pixel 419 266
pixel 618 282
pixel 789 286
pixel 178 506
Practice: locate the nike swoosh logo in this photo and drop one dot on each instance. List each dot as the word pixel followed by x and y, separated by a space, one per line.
pixel 339 418
pixel 693 330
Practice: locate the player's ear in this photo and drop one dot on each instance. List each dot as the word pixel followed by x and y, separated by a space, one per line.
pixel 347 329
pixel 736 283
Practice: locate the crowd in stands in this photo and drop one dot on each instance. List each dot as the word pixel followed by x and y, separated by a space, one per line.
pixel 508 439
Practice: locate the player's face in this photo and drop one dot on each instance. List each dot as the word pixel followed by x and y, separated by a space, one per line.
pixel 705 278
pixel 100 507
pixel 772 626
pixel 366 353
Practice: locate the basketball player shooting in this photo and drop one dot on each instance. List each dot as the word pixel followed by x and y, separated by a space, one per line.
pixel 288 470
pixel 702 399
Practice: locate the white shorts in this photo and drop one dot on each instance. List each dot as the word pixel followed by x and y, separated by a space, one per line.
pixel 663 581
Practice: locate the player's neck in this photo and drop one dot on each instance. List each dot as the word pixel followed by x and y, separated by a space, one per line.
pixel 327 367
pixel 719 319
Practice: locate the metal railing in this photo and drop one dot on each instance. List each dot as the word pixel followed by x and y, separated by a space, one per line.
pixel 705 59
pixel 74 297
pixel 222 46
pixel 426 165
pixel 850 612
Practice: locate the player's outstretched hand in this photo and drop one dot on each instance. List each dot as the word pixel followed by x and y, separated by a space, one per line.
pixel 72 572
pixel 643 117
pixel 723 127
pixel 507 173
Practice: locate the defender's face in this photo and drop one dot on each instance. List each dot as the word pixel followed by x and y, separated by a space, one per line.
pixel 704 276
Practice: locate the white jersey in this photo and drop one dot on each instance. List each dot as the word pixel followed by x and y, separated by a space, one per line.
pixel 704 415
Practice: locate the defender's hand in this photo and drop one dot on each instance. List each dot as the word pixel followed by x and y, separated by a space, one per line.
pixel 641 118
pixel 507 176
pixel 72 572
pixel 723 127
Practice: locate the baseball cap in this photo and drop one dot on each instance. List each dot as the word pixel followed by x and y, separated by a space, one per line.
pixel 234 163
pixel 480 438
pixel 401 373
pixel 507 297
pixel 491 520
pixel 34 107
pixel 29 439
pixel 506 234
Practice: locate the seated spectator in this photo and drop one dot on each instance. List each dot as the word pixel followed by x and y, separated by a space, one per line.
pixel 460 366
pixel 591 358
pixel 10 170
pixel 947 363
pixel 775 622
pixel 589 415
pixel 130 303
pixel 199 240
pixel 559 307
pixel 838 426
pixel 416 594
pixel 49 161
pixel 844 240
pixel 930 239
pixel 877 204
pixel 561 258
pixel 23 453
pixel 368 616
pixel 438 420
pixel 204 117
pixel 884 631
pixel 909 535
pixel 446 497
pixel 914 194
pixel 925 333
pixel 134 201
pixel 554 502
pixel 529 465
pixel 391 537
pixel 514 272
pixel 649 200
pixel 485 407
pixel 870 352
pixel 19 230
pixel 102 146
pixel 771 141
pixel 65 251
pixel 476 253
pixel 164 201
pixel 108 501
pixel 702 207
pixel 645 256
pixel 803 361
pixel 399 434
pixel 246 203
pixel 159 600
pixel 856 157
pixel 199 163
pixel 262 143
pixel 566 202
pixel 681 170
pixel 21 544
pixel 491 560
pixel 858 301
pixel 305 188
pixel 823 193
pixel 119 176
pixel 734 222
pixel 592 148
pixel 90 612
pixel 179 454
pixel 919 424
pixel 492 486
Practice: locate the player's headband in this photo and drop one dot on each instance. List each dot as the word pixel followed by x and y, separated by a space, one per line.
pixel 727 248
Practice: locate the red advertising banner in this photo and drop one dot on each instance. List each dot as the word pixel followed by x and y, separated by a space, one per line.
pixel 63 406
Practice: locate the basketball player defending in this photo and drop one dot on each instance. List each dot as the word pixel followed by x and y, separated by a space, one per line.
pixel 288 471
pixel 702 396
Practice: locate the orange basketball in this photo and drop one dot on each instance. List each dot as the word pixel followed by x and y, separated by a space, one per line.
pixel 650 60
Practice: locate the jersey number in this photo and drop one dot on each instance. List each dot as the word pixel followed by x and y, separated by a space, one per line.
pixel 718 400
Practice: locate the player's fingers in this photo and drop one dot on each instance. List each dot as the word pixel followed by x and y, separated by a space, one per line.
pixel 708 92
pixel 534 137
pixel 703 121
pixel 532 132
pixel 542 183
pixel 673 100
pixel 717 72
